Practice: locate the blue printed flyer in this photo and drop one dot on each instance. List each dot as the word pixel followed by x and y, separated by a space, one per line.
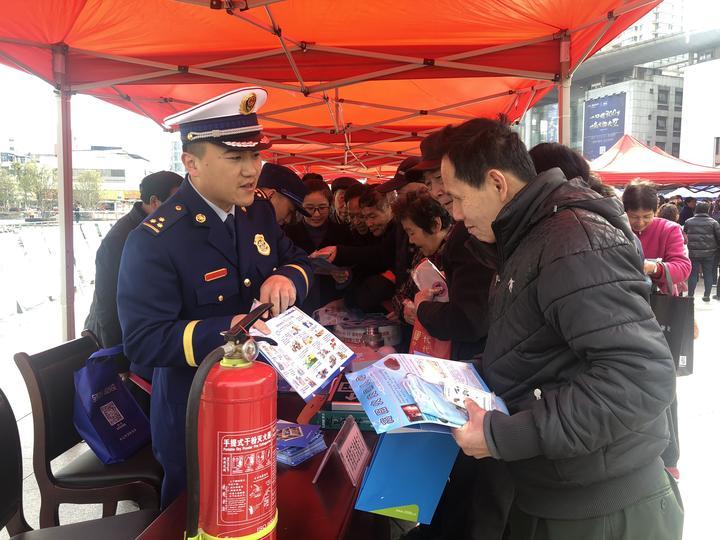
pixel 407 390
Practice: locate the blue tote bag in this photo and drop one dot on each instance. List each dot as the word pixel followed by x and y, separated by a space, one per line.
pixel 105 413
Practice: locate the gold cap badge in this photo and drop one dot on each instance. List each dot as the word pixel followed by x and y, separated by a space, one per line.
pixel 200 218
pixel 247 104
pixel 262 246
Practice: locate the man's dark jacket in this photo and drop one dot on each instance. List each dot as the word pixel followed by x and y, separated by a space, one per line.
pixel 325 288
pixel 703 236
pixel 103 317
pixel 393 253
pixel 464 319
pixel 575 351
pixel 685 214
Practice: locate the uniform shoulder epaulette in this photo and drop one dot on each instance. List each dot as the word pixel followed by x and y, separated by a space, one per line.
pixel 259 194
pixel 163 219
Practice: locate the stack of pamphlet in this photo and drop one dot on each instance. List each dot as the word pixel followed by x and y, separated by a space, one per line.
pixel 341 403
pixel 298 442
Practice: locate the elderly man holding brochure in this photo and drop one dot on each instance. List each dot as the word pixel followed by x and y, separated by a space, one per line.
pixel 573 349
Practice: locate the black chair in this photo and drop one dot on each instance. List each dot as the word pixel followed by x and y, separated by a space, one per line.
pixel 119 527
pixel 85 480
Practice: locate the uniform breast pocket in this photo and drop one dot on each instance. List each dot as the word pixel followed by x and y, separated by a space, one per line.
pixel 216 292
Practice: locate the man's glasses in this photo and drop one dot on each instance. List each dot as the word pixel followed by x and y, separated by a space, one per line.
pixel 319 209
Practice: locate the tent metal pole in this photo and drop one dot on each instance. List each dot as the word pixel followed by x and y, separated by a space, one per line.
pixel 396 108
pixel 244 58
pixel 65 194
pixel 24 67
pixel 269 114
pixel 617 12
pixel 362 78
pixel 130 100
pixel 251 80
pixel 123 80
pixel 601 33
pixel 527 105
pixel 288 55
pixel 564 92
pixel 508 72
pixel 498 48
pixel 124 59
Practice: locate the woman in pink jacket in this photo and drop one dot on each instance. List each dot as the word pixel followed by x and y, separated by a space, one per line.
pixel 664 247
pixel 662 240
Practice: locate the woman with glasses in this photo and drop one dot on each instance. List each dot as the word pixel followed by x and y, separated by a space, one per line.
pixel 318 231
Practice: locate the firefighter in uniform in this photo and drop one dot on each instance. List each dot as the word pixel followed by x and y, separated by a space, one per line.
pixel 195 266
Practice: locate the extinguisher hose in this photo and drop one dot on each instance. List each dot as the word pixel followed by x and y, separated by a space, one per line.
pixel 191 441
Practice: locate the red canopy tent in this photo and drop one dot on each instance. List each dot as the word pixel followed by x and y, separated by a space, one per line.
pixel 353 85
pixel 629 158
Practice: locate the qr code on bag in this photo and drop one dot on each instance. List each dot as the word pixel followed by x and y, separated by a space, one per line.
pixel 111 413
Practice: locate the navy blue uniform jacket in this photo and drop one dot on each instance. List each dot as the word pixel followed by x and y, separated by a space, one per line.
pixel 181 282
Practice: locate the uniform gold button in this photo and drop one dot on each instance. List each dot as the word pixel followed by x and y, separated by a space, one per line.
pixel 221 298
pixel 274 268
pixel 153 220
pixel 247 282
pixel 161 219
pixel 178 208
pixel 160 225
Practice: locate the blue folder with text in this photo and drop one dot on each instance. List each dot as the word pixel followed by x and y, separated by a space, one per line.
pixel 407 475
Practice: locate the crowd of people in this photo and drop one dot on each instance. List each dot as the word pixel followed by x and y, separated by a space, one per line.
pixel 548 277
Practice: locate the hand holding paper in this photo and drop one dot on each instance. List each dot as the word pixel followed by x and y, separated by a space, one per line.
pixel 328 253
pixel 471 437
pixel 259 325
pixel 279 291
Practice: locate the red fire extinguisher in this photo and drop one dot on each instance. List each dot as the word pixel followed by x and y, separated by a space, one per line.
pixel 230 441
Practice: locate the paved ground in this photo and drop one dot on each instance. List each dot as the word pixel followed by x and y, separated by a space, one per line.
pixel 698 400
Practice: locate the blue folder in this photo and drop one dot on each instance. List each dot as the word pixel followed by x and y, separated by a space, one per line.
pixel 407 475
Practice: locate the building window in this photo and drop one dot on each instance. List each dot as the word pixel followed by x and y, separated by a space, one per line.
pixel 678 99
pixel 716 161
pixel 663 98
pixel 661 126
pixel 660 145
pixel 113 175
pixel 677 123
pixel 676 149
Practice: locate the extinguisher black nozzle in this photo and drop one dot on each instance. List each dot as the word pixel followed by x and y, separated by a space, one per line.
pixel 239 332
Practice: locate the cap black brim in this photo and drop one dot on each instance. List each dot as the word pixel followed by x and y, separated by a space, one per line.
pixel 427 165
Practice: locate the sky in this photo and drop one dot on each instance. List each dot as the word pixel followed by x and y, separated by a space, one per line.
pixel 28 114
pixel 28 110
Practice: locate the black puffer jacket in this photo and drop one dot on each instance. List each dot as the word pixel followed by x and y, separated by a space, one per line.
pixel 703 236
pixel 575 351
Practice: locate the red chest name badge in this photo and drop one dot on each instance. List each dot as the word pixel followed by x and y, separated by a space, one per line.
pixel 216 274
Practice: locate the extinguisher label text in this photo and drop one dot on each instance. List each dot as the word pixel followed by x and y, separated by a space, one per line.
pixel 247 477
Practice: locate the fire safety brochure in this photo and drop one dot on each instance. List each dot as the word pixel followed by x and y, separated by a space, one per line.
pixel 307 355
pixel 421 392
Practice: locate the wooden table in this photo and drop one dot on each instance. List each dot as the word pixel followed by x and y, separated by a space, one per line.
pixel 322 511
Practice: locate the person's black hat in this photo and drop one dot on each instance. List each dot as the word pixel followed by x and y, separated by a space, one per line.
pixel 432 151
pixel 286 182
pixel 159 184
pixel 403 176
pixel 343 182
